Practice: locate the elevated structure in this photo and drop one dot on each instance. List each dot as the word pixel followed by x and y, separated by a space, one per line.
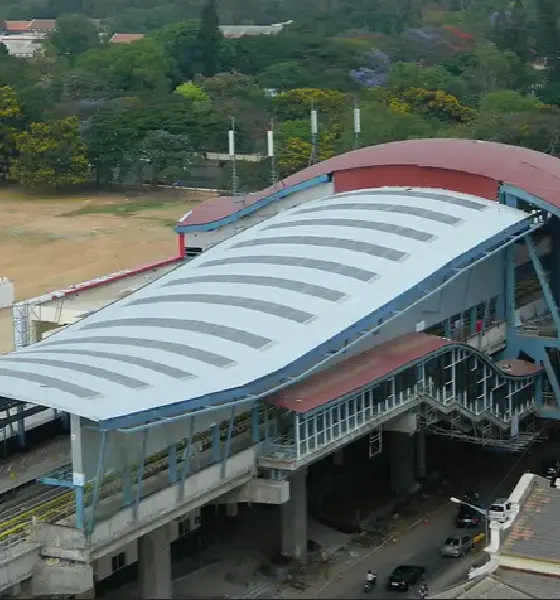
pixel 320 318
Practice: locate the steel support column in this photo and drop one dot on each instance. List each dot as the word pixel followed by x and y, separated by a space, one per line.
pixel 78 475
pixel 172 462
pixel 216 442
pixel 509 293
pixel 21 426
pixel 98 478
pixel 255 424
pixel 140 474
pixel 548 295
pixel 227 446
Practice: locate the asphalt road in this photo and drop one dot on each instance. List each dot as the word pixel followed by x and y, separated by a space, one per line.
pixel 490 474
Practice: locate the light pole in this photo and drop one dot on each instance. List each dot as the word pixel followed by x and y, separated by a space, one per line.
pixel 482 511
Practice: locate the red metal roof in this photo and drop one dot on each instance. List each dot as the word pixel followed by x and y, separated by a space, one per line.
pixel 518 367
pixel 125 38
pixel 356 372
pixel 532 171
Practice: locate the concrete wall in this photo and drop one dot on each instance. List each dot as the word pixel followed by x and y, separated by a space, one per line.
pixel 6 292
pixel 125 450
pixel 16 564
pixel 166 505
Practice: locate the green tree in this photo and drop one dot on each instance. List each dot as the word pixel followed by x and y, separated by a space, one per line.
pixel 143 66
pixel 508 101
pixel 210 39
pixel 73 35
pixel 52 155
pixel 166 157
pixel 511 31
pixel 193 92
pixel 285 76
pixel 180 41
pixel 403 76
pixel 10 121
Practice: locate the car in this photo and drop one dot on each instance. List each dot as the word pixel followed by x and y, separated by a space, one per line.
pixel 405 576
pixel 467 516
pixel 456 545
pixel 500 510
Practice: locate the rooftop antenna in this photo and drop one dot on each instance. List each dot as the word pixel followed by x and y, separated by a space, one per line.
pixel 314 129
pixel 270 151
pixel 231 137
pixel 357 126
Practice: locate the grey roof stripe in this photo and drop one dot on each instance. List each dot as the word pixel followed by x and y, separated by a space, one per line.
pixel 173 348
pixel 122 358
pixel 221 331
pixel 117 378
pixel 294 261
pixel 263 306
pixel 401 209
pixel 407 232
pixel 428 195
pixel 275 282
pixel 327 242
pixel 52 382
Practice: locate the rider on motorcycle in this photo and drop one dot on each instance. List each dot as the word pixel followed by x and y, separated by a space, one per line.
pixel 423 591
pixel 370 577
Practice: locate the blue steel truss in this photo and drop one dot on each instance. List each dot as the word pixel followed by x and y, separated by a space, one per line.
pixel 332 349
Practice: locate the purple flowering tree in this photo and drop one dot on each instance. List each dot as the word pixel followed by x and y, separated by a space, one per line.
pixel 374 71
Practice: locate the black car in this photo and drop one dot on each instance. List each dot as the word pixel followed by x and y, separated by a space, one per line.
pixel 468 517
pixel 404 576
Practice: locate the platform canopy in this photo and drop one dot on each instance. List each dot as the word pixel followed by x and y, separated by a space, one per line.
pixel 250 311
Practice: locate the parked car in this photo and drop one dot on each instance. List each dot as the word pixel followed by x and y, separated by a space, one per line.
pixel 457 545
pixel 499 510
pixel 468 516
pixel 405 576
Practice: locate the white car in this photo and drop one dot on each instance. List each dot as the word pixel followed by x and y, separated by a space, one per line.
pixel 499 510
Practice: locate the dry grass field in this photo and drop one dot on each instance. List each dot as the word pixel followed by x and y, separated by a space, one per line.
pixel 47 243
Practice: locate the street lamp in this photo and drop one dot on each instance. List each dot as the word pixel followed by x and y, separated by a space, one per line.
pixel 482 511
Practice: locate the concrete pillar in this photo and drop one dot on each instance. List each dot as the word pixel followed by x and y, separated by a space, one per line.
pixel 402 457
pixel 294 519
pixel 338 458
pixel 154 564
pixel 232 510
pixel 420 454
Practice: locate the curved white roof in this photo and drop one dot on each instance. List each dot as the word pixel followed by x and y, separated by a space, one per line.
pixel 256 303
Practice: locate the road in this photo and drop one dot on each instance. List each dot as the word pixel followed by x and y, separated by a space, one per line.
pixel 495 474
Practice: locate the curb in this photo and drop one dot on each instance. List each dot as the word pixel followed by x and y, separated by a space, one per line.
pixel 388 541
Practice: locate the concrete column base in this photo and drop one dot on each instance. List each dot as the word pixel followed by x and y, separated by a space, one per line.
pixel 294 519
pixel 338 458
pixel 402 456
pixel 232 510
pixel 89 595
pixel 154 564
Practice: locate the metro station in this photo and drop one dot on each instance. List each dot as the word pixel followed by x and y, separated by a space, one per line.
pixel 395 291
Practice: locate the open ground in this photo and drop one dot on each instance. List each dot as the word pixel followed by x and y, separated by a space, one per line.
pixel 51 242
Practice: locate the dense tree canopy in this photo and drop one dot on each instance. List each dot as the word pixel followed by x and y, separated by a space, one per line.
pixel 146 111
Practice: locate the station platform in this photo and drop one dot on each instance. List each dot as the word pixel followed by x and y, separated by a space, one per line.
pixel 29 466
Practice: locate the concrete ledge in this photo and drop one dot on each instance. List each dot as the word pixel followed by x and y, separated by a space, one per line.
pixel 17 563
pixel 67 543
pixel 162 507
pixel 61 578
pixel 259 491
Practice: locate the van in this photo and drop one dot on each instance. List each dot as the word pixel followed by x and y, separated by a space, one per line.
pixel 499 510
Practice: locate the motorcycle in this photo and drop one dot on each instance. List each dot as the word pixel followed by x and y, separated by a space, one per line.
pixel 369 585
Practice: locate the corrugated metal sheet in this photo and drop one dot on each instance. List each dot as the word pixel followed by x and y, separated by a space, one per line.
pixel 255 304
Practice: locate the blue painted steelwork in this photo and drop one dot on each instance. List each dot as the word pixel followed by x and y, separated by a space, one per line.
pixel 172 462
pixel 80 506
pixel 227 445
pixel 216 442
pixel 255 424
pixel 509 293
pixel 98 479
pixel 275 196
pixel 548 295
pixel 472 320
pixel 186 467
pixel 512 193
pixel 61 477
pixel 127 486
pixel 140 474
pixel 338 345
